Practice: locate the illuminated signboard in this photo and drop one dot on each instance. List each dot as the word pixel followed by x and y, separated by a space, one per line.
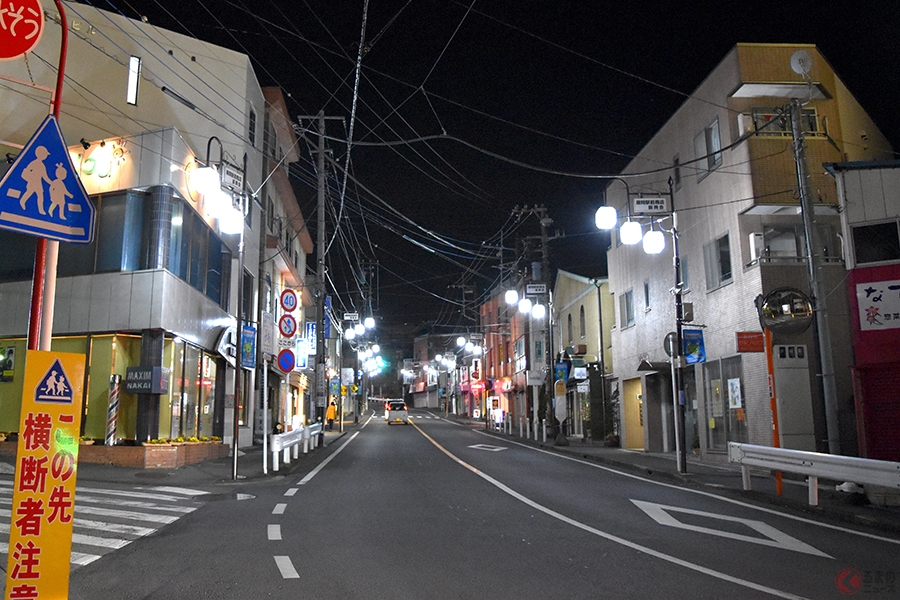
pixel 43 502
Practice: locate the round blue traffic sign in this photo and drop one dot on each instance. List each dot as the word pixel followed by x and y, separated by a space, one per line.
pixel 286 360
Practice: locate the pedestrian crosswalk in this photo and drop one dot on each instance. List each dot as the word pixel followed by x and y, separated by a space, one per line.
pixel 107 519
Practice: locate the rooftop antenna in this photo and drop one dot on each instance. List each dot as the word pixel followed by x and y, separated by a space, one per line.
pixel 801 64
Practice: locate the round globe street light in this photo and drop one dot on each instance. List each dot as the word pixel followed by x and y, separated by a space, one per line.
pixel 654 241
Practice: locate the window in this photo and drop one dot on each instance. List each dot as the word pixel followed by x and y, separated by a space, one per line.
pixel 717 260
pixel 569 328
pixel 647 295
pixel 251 128
pixel 582 326
pixel 626 309
pixel 708 146
pixel 134 80
pixel 876 243
pixel 676 172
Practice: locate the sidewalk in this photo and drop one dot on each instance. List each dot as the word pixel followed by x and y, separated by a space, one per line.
pixel 724 478
pixel 205 475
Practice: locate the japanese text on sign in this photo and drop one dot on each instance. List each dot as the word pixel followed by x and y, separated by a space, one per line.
pixel 879 305
pixel 40 532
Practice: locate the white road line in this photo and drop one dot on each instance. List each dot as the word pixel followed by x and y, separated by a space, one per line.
pixel 88 540
pixel 613 538
pixel 125 493
pixel 134 504
pixel 279 508
pixel 291 492
pixel 321 466
pixel 177 490
pixel 273 532
pixel 119 528
pixel 702 493
pixel 76 558
pixel 124 514
pixel 286 567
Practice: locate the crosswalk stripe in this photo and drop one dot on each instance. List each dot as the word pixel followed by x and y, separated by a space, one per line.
pixel 176 490
pixel 119 528
pixel 110 505
pixel 121 493
pixel 77 558
pixel 87 540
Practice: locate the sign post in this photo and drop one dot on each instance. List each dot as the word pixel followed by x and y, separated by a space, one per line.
pixel 43 503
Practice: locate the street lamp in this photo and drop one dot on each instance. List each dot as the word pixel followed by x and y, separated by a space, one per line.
pixel 654 242
pixel 225 199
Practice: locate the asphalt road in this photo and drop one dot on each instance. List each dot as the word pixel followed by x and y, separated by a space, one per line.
pixel 437 510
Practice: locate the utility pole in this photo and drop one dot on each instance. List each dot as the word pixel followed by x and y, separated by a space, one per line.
pixel 816 285
pixel 541 213
pixel 321 382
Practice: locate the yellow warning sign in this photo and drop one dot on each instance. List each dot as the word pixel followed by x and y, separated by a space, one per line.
pixel 43 504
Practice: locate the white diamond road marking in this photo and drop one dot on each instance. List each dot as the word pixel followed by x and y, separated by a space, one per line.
pixel 773 537
pixel 487 447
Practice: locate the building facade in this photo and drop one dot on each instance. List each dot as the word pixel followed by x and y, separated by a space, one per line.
pixel 726 159
pixel 869 197
pixel 583 321
pixel 160 284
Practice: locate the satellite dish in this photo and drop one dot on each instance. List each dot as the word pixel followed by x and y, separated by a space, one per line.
pixel 801 62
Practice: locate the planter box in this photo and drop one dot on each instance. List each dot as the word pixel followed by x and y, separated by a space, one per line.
pixel 150 456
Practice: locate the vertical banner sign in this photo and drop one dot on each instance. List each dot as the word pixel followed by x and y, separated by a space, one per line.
pixel 43 502
pixel 112 410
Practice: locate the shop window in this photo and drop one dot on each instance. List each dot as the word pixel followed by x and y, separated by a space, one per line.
pixel 725 402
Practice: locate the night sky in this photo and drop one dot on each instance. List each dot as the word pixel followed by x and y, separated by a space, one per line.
pixel 569 87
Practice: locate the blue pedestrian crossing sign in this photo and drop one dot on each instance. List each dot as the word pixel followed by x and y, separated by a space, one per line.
pixel 54 386
pixel 42 195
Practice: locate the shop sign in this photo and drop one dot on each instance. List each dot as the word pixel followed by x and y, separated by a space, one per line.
pixel 750 341
pixel 146 380
pixel 43 500
pixel 879 305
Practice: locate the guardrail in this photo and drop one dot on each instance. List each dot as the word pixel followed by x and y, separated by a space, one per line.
pixel 289 442
pixel 863 471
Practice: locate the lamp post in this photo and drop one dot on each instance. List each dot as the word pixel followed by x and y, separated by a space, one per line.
pixel 229 207
pixel 653 241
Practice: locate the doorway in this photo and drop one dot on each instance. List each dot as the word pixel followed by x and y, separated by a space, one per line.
pixel 633 414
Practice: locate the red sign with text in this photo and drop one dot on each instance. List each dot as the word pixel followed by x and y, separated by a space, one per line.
pixel 21 26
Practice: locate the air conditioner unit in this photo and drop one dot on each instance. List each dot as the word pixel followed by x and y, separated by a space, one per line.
pixel 745 123
pixel 756 246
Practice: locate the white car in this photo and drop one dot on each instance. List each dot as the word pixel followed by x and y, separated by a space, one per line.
pixel 395 411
